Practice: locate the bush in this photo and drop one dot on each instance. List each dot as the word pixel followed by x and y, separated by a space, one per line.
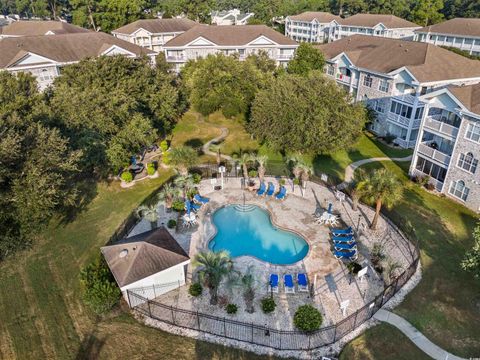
pixel 282 182
pixel 164 146
pixel 268 305
pixel 166 158
pixel 252 173
pixel 195 289
pixel 231 309
pixel 151 169
pixel 307 318
pixel 196 178
pixel 354 267
pixel 389 138
pixel 430 186
pixel 171 223
pixel 126 176
pixel 178 205
pixel 100 292
pixel 296 181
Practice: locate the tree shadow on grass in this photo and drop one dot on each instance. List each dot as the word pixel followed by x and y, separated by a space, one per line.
pixel 91 347
pixel 206 350
pixel 195 143
pixel 87 190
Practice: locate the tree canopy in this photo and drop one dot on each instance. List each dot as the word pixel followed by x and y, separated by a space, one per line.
pixel 471 262
pixel 306 114
pixel 306 59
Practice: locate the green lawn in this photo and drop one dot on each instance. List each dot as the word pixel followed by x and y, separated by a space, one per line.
pixel 42 315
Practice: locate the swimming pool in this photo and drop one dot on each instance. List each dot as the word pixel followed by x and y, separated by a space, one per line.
pixel 248 230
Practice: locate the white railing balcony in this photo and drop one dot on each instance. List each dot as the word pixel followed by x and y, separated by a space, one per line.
pixel 433 123
pixel 343 78
pixel 407 98
pixel 284 56
pixel 176 58
pixel 398 119
pixel 435 154
pixel 404 143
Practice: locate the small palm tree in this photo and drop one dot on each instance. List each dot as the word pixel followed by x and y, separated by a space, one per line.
pixel 183 158
pixel 306 172
pixel 244 161
pixel 381 187
pixel 168 194
pixel 184 182
pixel 212 268
pixel 249 282
pixel 261 161
pixel 149 213
pixel 353 188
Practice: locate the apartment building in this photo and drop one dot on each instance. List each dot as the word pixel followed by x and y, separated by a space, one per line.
pixel 448 150
pixel 44 56
pixel 230 17
pixel 390 75
pixel 203 40
pixel 463 34
pixel 310 26
pixel 34 28
pixel 153 33
pixel 321 27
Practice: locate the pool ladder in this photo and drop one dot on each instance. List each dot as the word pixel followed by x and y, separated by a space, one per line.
pixel 244 207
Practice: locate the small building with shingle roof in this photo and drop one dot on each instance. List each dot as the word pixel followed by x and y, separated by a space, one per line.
pixel 34 28
pixel 153 33
pixel 460 33
pixel 151 263
pixel 203 40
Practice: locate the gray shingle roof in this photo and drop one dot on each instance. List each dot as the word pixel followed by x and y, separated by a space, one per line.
pixel 157 26
pixel 32 28
pixel 457 26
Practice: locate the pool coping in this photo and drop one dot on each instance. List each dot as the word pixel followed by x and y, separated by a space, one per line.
pixel 309 244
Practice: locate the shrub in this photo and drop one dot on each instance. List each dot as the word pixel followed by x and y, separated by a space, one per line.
pixel 126 176
pixel 307 318
pixel 430 186
pixel 196 178
pixel 252 173
pixel 354 267
pixel 171 223
pixel 166 158
pixel 164 146
pixel 100 292
pixel 178 205
pixel 389 138
pixel 268 305
pixel 231 309
pixel 377 253
pixel 151 169
pixel 282 182
pixel 296 181
pixel 195 289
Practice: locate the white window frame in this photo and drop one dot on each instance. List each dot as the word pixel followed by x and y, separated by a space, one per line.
pixel 380 106
pixel 367 81
pixel 473 129
pixel 459 193
pixel 383 85
pixel 467 162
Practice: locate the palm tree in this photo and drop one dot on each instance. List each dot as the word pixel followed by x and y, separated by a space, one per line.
pixel 353 188
pixel 381 187
pixel 168 194
pixel 306 171
pixel 183 158
pixel 248 281
pixel 262 161
pixel 185 182
pixel 244 161
pixel 212 268
pixel 149 213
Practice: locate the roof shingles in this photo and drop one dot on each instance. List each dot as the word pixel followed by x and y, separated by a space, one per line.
pixel 457 26
pixel 157 26
pixel 33 28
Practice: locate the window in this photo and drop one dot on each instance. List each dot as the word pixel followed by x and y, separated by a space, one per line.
pixel 367 81
pixel 459 190
pixel 330 70
pixel 473 132
pixel 383 85
pixel 419 113
pixel 379 106
pixel 467 162
pixel 401 109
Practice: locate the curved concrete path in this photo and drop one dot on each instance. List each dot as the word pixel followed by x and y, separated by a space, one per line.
pixel 415 336
pixel 206 147
pixel 350 170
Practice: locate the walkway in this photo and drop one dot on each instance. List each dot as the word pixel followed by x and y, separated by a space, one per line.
pixel 350 170
pixel 206 147
pixel 415 336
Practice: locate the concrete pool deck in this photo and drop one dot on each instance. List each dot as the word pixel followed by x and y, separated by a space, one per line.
pixel 332 282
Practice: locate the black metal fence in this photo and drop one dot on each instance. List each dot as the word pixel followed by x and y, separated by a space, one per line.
pixel 263 335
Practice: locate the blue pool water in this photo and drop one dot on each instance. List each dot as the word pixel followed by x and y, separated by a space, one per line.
pixel 249 231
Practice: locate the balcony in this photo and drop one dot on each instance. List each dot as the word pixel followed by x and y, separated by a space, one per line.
pixel 406 98
pixel 343 78
pixel 176 58
pixel 285 57
pixel 434 123
pixel 404 143
pixel 403 121
pixel 426 150
pixel 438 184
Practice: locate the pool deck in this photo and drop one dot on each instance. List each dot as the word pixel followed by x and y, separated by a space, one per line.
pixel 331 280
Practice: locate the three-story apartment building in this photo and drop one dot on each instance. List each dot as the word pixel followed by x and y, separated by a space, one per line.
pixel 310 26
pixel 44 56
pixel 230 17
pixel 448 150
pixel 390 76
pixel 153 33
pixel 203 40
pixel 321 27
pixel 460 33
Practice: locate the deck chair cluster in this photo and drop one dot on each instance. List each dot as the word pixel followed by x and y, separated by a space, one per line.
pixel 288 283
pixel 269 191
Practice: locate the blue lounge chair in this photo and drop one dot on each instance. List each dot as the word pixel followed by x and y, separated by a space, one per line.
pixel 261 190
pixel 302 282
pixel 201 199
pixel 188 207
pixel 194 206
pixel 349 255
pixel 342 232
pixel 271 189
pixel 281 194
pixel 345 246
pixel 343 239
pixel 273 283
pixel 288 283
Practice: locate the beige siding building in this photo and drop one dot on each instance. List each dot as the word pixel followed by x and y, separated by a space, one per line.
pixel 153 33
pixel 448 147
pixel 463 34
pixel 242 41
pixel 390 76
pixel 44 56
